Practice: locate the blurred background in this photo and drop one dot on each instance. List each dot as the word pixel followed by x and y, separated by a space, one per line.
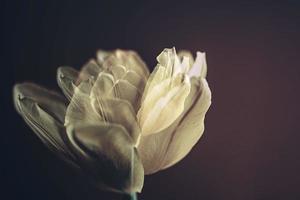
pixel 251 146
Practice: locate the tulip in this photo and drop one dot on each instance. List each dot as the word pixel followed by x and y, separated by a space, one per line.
pixel 117 122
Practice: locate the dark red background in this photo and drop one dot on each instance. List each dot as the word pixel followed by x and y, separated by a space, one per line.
pixel 250 149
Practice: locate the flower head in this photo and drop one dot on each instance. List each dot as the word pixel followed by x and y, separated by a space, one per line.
pixel 116 122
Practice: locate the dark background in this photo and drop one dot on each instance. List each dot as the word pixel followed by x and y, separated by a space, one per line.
pixel 250 149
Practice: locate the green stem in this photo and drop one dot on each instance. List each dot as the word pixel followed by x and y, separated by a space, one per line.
pixel 131 196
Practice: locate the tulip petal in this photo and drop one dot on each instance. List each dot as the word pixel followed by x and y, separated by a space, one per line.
pixel 135 80
pixel 118 111
pixel 129 59
pixel 161 150
pixel 80 109
pixel 166 90
pixel 190 128
pixel 90 104
pixel 89 71
pixel 102 55
pixel 165 111
pixel 44 111
pixel 167 58
pixel 108 155
pixel 103 86
pixel 152 149
pixel 199 68
pixel 167 67
pixel 66 79
pixel 163 104
pixel 184 53
pixel 126 91
pixel 155 78
pixel 120 72
pixel 107 87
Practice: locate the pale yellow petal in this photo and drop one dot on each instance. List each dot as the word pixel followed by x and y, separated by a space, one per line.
pixel 165 110
pixel 155 78
pixel 164 89
pixel 161 150
pixel 102 55
pixel 152 149
pixel 103 86
pixel 80 109
pixel 124 90
pixel 107 87
pixel 163 71
pixel 185 64
pixel 184 53
pixel 129 59
pixel 121 72
pixel 151 98
pixel 199 68
pixel 108 155
pixel 89 71
pixel 190 128
pixel 167 58
pixel 66 79
pixel 44 112
pixel 118 111
pixel 204 68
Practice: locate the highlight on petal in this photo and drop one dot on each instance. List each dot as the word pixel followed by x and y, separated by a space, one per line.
pixel 165 93
pixel 66 79
pixel 168 59
pixel 44 111
pixel 159 111
pixel 107 154
pixel 102 55
pixel 80 109
pixel 152 148
pixel 199 68
pixel 166 148
pixel 169 65
pixel 155 78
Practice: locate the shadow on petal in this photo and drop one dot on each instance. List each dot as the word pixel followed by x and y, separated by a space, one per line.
pixel 107 154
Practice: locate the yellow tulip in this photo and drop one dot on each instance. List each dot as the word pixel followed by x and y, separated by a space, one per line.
pixel 118 121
